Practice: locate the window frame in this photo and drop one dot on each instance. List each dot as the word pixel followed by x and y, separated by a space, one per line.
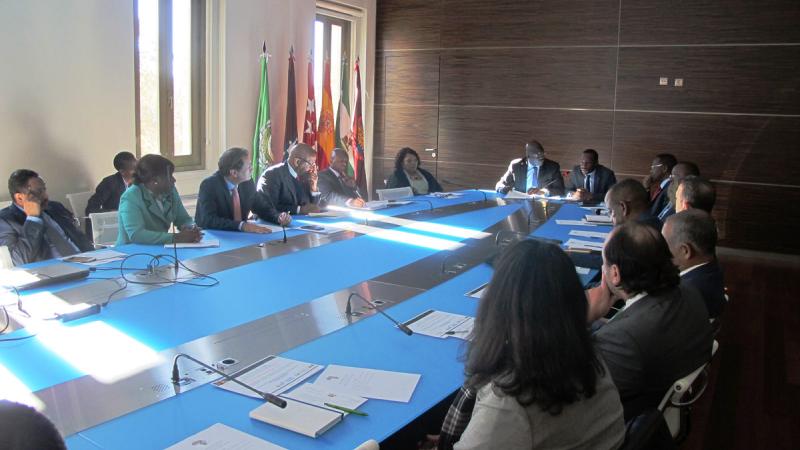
pixel 196 160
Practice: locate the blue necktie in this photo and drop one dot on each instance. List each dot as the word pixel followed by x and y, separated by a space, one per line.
pixel 533 178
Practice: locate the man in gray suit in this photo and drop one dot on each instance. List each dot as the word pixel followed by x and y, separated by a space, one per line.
pixel 662 333
pixel 533 174
pixel 590 180
pixel 335 187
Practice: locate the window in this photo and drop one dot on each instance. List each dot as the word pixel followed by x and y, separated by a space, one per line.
pixel 169 66
pixel 332 41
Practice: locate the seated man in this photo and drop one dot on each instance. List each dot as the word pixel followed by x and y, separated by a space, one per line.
pixel 627 201
pixel 681 170
pixel 107 193
pixel 289 187
pixel 590 180
pixel 657 182
pixel 34 228
pixel 695 192
pixel 224 200
pixel 532 174
pixel 662 333
pixel 692 239
pixel 335 187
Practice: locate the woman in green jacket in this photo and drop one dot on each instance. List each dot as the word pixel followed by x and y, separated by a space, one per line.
pixel 152 205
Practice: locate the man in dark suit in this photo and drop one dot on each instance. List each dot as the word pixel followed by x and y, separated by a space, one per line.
pixel 34 228
pixel 692 239
pixel 662 333
pixel 289 187
pixel 225 197
pixel 335 187
pixel 657 182
pixel 681 170
pixel 695 193
pixel 590 180
pixel 107 193
pixel 532 174
pixel 627 201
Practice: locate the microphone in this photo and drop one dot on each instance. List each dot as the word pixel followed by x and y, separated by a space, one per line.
pixel 430 203
pixel 348 310
pixel 271 398
pixel 175 249
pixel 458 266
pixel 284 233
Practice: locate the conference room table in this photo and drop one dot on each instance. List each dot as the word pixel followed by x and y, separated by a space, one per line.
pixel 104 379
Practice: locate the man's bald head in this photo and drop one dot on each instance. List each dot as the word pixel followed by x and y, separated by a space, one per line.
pixel 626 200
pixel 302 157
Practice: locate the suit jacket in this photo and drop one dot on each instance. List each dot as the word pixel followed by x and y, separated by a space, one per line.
pixel 214 204
pixel 660 202
pixel 399 179
pixel 603 179
pixel 708 280
pixel 142 221
pixel 106 195
pixel 654 342
pixel 278 191
pixel 333 191
pixel 516 177
pixel 646 219
pixel 25 239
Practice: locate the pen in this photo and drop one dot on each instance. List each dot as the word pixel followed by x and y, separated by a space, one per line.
pixel 347 410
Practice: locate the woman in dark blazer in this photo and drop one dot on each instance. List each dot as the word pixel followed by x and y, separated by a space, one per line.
pixel 407 172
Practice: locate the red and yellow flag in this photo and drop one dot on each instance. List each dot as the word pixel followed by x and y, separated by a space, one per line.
pixel 325 131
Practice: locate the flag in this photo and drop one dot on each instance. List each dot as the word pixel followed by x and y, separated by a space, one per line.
pixel 310 123
pixel 343 117
pixel 262 136
pixel 325 131
pixel 290 137
pixel 358 137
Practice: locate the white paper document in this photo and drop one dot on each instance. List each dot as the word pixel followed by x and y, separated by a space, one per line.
pixel 590 234
pixel 205 243
pixel 478 291
pixel 441 324
pixel 369 383
pixel 600 219
pixel 96 258
pixel 584 245
pixel 272 227
pixel 318 396
pixel 325 214
pixel 582 270
pixel 274 375
pixel 573 223
pixel 372 206
pixel 223 437
pixel 517 194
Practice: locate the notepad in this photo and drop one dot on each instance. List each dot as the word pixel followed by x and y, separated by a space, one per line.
pixel 369 383
pixel 584 245
pixel 308 420
pixel 591 234
pixel 205 243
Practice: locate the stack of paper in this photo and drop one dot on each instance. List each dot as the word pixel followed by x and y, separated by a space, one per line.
pixel 589 234
pixel 369 383
pixel 581 223
pixel 373 205
pixel 578 244
pixel 96 257
pixel 308 420
pixel 600 219
pixel 273 375
pixel 441 324
pixel 223 437
pixel 319 396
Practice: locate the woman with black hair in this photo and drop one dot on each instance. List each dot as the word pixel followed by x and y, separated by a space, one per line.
pixel 408 173
pixel 539 381
pixel 149 207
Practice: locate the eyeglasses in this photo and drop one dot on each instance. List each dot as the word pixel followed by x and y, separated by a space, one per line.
pixel 656 165
pixel 309 163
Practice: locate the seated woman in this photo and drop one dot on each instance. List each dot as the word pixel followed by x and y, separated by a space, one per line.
pixel 151 205
pixel 539 381
pixel 407 172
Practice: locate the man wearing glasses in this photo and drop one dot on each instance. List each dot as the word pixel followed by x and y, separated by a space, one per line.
pixel 657 182
pixel 288 188
pixel 533 174
pixel 34 228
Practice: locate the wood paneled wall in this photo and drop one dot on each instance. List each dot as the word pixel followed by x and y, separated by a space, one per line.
pixel 475 79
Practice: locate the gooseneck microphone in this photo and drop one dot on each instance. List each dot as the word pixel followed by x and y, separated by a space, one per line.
pixel 284 233
pixel 271 398
pixel 430 203
pixel 348 310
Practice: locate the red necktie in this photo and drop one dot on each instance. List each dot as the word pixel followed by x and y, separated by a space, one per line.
pixel 237 205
